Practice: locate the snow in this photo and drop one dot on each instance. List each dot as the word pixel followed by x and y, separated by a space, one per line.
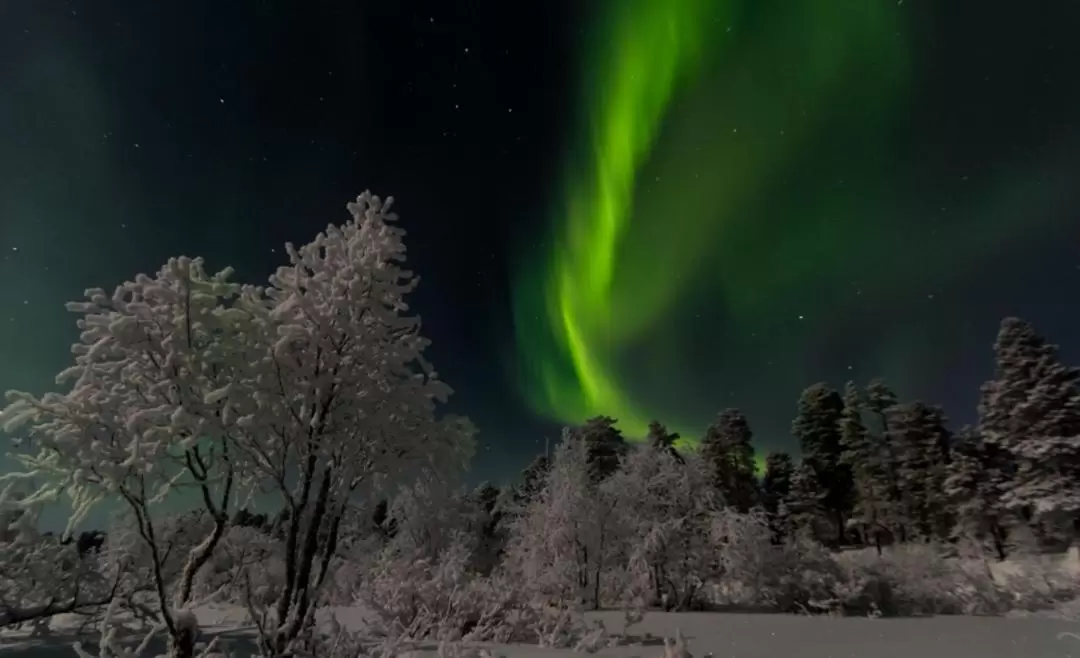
pixel 724 635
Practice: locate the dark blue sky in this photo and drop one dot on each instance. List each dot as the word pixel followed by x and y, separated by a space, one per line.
pixel 132 131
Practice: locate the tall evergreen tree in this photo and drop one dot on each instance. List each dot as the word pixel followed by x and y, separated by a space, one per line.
pixel 728 450
pixel 605 445
pixel 817 428
pixel 879 399
pixel 918 434
pixel 977 474
pixel 659 438
pixel 532 478
pixel 776 481
pixel 775 488
pixel 1031 410
pixel 804 512
pixel 862 453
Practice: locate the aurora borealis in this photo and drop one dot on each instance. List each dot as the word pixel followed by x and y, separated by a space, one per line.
pixel 637 208
pixel 744 162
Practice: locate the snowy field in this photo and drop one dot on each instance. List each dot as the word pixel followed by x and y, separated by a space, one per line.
pixel 736 635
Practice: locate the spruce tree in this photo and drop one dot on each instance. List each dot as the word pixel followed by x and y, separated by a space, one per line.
pixel 817 429
pixel 977 474
pixel 1031 410
pixel 879 399
pixel 775 487
pixel 862 453
pixel 533 477
pixel 804 513
pixel 727 449
pixel 921 442
pixel 605 445
pixel 660 439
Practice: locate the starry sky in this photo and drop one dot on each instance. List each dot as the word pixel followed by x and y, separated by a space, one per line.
pixel 644 208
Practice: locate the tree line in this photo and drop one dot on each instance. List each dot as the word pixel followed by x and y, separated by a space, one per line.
pixel 875 470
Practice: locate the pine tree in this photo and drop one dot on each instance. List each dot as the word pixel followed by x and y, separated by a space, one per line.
pixel 977 474
pixel 879 399
pixel 1031 410
pixel 918 435
pixel 660 439
pixel 775 487
pixel 605 445
pixel 727 449
pixel 532 478
pixel 804 513
pixel 817 428
pixel 862 453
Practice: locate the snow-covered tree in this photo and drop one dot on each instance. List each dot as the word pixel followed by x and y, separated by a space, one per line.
pixel 977 475
pixel 605 444
pixel 775 487
pixel 803 512
pixel 548 547
pixel 660 438
pixel 314 385
pixel 665 510
pixel 342 394
pixel 921 443
pixel 143 417
pixel 728 450
pixel 863 454
pixel 41 576
pixel 817 429
pixel 1031 410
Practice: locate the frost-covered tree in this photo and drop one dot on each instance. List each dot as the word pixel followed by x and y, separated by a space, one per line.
pixel 492 504
pixel 921 442
pixel 977 475
pixel 660 438
pixel 314 386
pixel 429 516
pixel 343 398
pixel 532 477
pixel 42 576
pixel 665 509
pixel 143 417
pixel 775 487
pixel 1031 410
pixel 776 481
pixel 878 400
pixel 728 450
pixel 863 454
pixel 817 429
pixel 803 512
pixel 549 541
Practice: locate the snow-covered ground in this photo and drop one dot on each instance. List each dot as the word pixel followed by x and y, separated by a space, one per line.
pixel 737 635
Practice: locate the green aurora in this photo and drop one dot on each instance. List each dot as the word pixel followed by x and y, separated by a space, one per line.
pixel 658 73
pixel 739 152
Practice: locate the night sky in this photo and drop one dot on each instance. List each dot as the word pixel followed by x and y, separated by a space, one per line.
pixel 644 208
